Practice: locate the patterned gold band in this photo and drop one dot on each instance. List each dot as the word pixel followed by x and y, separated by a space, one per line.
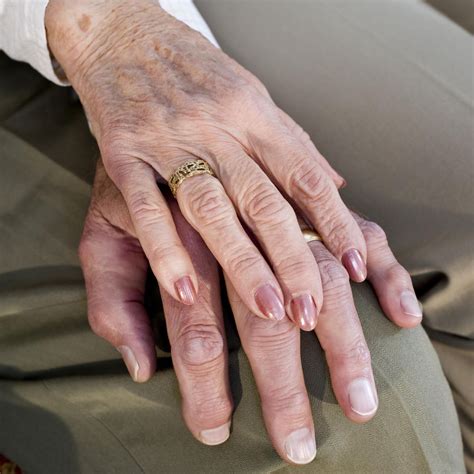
pixel 187 170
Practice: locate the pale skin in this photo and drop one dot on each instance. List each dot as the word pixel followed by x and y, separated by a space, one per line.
pixel 158 94
pixel 115 267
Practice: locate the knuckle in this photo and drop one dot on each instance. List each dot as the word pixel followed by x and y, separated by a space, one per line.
pixel 165 252
pixel 283 399
pixel 355 354
pixel 265 339
pixel 395 275
pixel 311 185
pixel 118 168
pixel 291 266
pixel 199 344
pixel 209 204
pixel 241 262
pixel 339 229
pixel 333 275
pixel 144 209
pixel 373 233
pixel 264 204
pixel 206 408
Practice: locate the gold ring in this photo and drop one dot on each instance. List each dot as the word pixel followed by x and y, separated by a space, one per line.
pixel 187 170
pixel 310 235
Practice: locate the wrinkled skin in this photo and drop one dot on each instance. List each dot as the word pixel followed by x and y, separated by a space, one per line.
pixel 158 94
pixel 115 267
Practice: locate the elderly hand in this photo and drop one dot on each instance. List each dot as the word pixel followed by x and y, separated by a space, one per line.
pixel 158 94
pixel 115 268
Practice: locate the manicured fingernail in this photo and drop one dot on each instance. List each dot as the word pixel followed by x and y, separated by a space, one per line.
pixel 130 361
pixel 362 397
pixel 410 304
pixel 185 289
pixel 303 311
pixel 215 435
pixel 300 446
pixel 352 261
pixel 269 303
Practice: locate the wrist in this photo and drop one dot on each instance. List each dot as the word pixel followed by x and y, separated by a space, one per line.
pixel 80 32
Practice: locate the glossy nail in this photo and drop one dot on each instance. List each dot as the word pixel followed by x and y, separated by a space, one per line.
pixel 362 397
pixel 352 261
pixel 215 436
pixel 300 446
pixel 303 311
pixel 269 303
pixel 185 290
pixel 130 361
pixel 409 304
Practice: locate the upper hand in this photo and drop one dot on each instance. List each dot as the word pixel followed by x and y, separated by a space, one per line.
pixel 157 94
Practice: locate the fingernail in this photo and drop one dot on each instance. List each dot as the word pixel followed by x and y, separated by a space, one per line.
pixel 130 361
pixel 300 446
pixel 269 303
pixel 410 304
pixel 185 289
pixel 343 184
pixel 216 435
pixel 361 397
pixel 303 311
pixel 352 261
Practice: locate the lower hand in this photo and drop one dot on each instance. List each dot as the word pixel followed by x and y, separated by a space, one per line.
pixel 115 268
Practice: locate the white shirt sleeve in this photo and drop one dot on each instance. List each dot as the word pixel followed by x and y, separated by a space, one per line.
pixel 23 34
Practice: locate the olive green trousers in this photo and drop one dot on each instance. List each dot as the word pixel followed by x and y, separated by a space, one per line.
pixel 384 89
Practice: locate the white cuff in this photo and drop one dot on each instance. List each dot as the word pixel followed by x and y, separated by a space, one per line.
pixel 23 34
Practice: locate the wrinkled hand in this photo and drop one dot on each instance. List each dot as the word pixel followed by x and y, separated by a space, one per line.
pixel 158 94
pixel 115 268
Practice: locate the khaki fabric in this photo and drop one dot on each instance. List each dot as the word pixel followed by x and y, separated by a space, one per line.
pixel 384 89
pixel 459 11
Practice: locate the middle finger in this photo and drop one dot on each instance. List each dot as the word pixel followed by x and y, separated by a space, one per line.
pixel 273 350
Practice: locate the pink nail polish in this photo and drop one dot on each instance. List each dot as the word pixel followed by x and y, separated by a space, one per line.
pixel 269 303
pixel 352 261
pixel 185 290
pixel 303 311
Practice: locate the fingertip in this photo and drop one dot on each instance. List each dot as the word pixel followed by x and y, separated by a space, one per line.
pixel 185 290
pixel 402 308
pixel 139 367
pixel 300 446
pixel 355 265
pixel 410 305
pixel 215 436
pixel 363 400
pixel 304 312
pixel 269 302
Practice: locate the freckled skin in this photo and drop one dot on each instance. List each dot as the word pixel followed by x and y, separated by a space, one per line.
pixel 84 23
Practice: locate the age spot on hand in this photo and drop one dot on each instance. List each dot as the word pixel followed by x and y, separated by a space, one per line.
pixel 84 23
